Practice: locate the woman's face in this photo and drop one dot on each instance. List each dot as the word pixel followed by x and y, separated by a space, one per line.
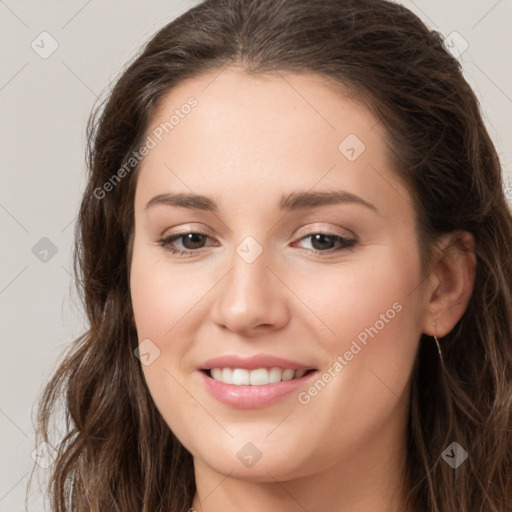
pixel 307 261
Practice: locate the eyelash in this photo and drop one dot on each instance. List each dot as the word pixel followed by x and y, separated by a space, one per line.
pixel 167 241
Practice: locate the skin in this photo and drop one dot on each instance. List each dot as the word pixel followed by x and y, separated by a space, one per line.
pixel 249 141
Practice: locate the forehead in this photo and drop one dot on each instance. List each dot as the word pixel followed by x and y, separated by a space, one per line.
pixel 279 131
pixel 274 109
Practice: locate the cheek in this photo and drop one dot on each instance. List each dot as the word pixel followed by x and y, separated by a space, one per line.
pixel 375 320
pixel 161 300
pixel 160 297
pixel 372 311
pixel 370 296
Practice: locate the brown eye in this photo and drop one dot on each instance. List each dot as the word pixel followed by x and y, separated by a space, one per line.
pixel 322 242
pixel 190 242
pixel 328 242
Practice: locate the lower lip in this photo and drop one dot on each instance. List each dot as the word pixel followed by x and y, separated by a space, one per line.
pixel 252 397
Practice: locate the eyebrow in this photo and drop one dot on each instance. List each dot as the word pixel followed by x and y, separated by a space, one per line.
pixel 291 202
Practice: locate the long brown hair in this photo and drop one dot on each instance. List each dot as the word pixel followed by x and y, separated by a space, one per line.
pixel 118 454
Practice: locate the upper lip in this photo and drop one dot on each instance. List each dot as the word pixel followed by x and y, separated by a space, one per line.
pixel 253 362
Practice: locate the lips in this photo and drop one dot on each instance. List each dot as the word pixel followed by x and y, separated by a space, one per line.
pixel 253 362
pixel 253 382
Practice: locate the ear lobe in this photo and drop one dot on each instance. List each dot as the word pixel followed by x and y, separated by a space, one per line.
pixel 454 276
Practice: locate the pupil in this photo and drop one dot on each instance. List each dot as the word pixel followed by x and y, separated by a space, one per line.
pixel 193 240
pixel 323 241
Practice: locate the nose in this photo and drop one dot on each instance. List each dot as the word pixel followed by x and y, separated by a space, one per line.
pixel 252 300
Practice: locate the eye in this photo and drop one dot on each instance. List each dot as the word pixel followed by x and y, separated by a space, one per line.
pixel 190 242
pixel 328 243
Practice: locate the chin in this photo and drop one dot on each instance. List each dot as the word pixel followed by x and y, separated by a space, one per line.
pixel 250 463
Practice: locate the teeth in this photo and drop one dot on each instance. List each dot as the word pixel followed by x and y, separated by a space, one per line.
pixel 240 376
pixel 288 374
pixel 226 375
pixel 274 375
pixel 259 377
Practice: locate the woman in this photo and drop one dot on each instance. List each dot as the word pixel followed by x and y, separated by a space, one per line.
pixel 294 250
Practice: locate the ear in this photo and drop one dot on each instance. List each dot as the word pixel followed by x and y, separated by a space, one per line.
pixel 450 283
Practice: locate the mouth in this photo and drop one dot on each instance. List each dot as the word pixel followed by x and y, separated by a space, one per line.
pixel 255 377
pixel 253 382
pixel 254 389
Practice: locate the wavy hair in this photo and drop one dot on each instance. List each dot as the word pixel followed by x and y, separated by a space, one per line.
pixel 117 453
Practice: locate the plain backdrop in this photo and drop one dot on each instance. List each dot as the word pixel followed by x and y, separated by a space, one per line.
pixel 45 102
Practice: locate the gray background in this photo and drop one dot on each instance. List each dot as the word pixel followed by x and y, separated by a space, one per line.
pixel 45 103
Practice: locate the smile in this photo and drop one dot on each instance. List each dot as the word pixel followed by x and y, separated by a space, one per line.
pixel 257 377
